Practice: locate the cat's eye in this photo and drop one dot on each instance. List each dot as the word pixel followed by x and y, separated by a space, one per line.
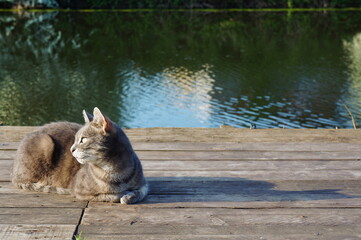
pixel 83 140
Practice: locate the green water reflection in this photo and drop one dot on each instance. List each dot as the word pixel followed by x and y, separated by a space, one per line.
pixel 182 69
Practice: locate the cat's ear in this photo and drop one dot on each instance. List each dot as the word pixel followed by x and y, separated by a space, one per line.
pixel 87 117
pixel 102 121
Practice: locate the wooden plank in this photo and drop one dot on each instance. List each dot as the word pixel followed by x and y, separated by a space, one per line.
pixel 44 215
pixel 7 154
pixel 207 191
pixel 230 155
pixel 300 197
pixel 166 229
pixel 264 174
pixel 16 133
pixel 194 186
pixel 231 186
pixel 219 232
pixel 246 155
pixel 5 170
pixel 125 216
pixel 226 165
pixel 213 193
pixel 185 236
pixel 243 135
pixel 254 203
pixel 155 202
pixel 33 231
pixel 271 175
pixel 244 193
pixel 9 145
pixel 230 146
pixel 35 199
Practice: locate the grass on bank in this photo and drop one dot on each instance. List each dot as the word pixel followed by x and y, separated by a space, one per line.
pixel 79 236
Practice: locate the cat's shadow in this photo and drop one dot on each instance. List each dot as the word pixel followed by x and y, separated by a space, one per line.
pixel 205 189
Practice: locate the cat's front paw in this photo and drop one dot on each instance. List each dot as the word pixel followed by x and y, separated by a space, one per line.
pixel 128 198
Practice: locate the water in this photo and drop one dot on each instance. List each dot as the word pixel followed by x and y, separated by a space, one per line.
pixel 182 69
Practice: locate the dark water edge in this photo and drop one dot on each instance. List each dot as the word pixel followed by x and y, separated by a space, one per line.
pixel 178 4
pixel 182 69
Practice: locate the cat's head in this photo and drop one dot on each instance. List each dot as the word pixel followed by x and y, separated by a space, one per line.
pixel 98 140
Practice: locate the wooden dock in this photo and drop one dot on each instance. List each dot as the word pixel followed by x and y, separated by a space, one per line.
pixel 208 184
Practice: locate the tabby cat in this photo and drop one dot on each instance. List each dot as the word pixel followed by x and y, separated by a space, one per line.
pixel 93 162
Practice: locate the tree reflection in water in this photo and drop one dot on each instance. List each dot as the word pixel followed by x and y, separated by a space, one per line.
pixel 184 69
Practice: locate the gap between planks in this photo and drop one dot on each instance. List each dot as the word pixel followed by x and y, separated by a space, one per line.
pixel 8 133
pixel 231 146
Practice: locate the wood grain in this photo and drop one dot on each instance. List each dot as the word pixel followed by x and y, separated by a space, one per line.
pixel 220 232
pixel 224 146
pixel 124 216
pixel 208 184
pixel 36 231
pixel 252 173
pixel 230 155
pixel 42 215
pixel 16 133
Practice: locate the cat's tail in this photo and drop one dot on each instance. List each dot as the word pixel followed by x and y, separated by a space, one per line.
pixel 135 196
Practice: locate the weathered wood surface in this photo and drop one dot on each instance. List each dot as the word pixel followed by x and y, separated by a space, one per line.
pixel 208 184
pixel 217 135
pixel 36 231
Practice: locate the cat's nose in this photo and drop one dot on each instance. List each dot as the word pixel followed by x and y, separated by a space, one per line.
pixel 72 149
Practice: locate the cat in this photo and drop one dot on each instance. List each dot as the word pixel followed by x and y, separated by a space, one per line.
pixel 94 162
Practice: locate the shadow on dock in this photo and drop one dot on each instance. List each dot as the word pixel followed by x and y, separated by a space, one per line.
pixel 200 189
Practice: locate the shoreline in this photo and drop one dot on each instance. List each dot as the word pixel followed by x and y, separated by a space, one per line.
pixel 182 10
pixel 181 5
